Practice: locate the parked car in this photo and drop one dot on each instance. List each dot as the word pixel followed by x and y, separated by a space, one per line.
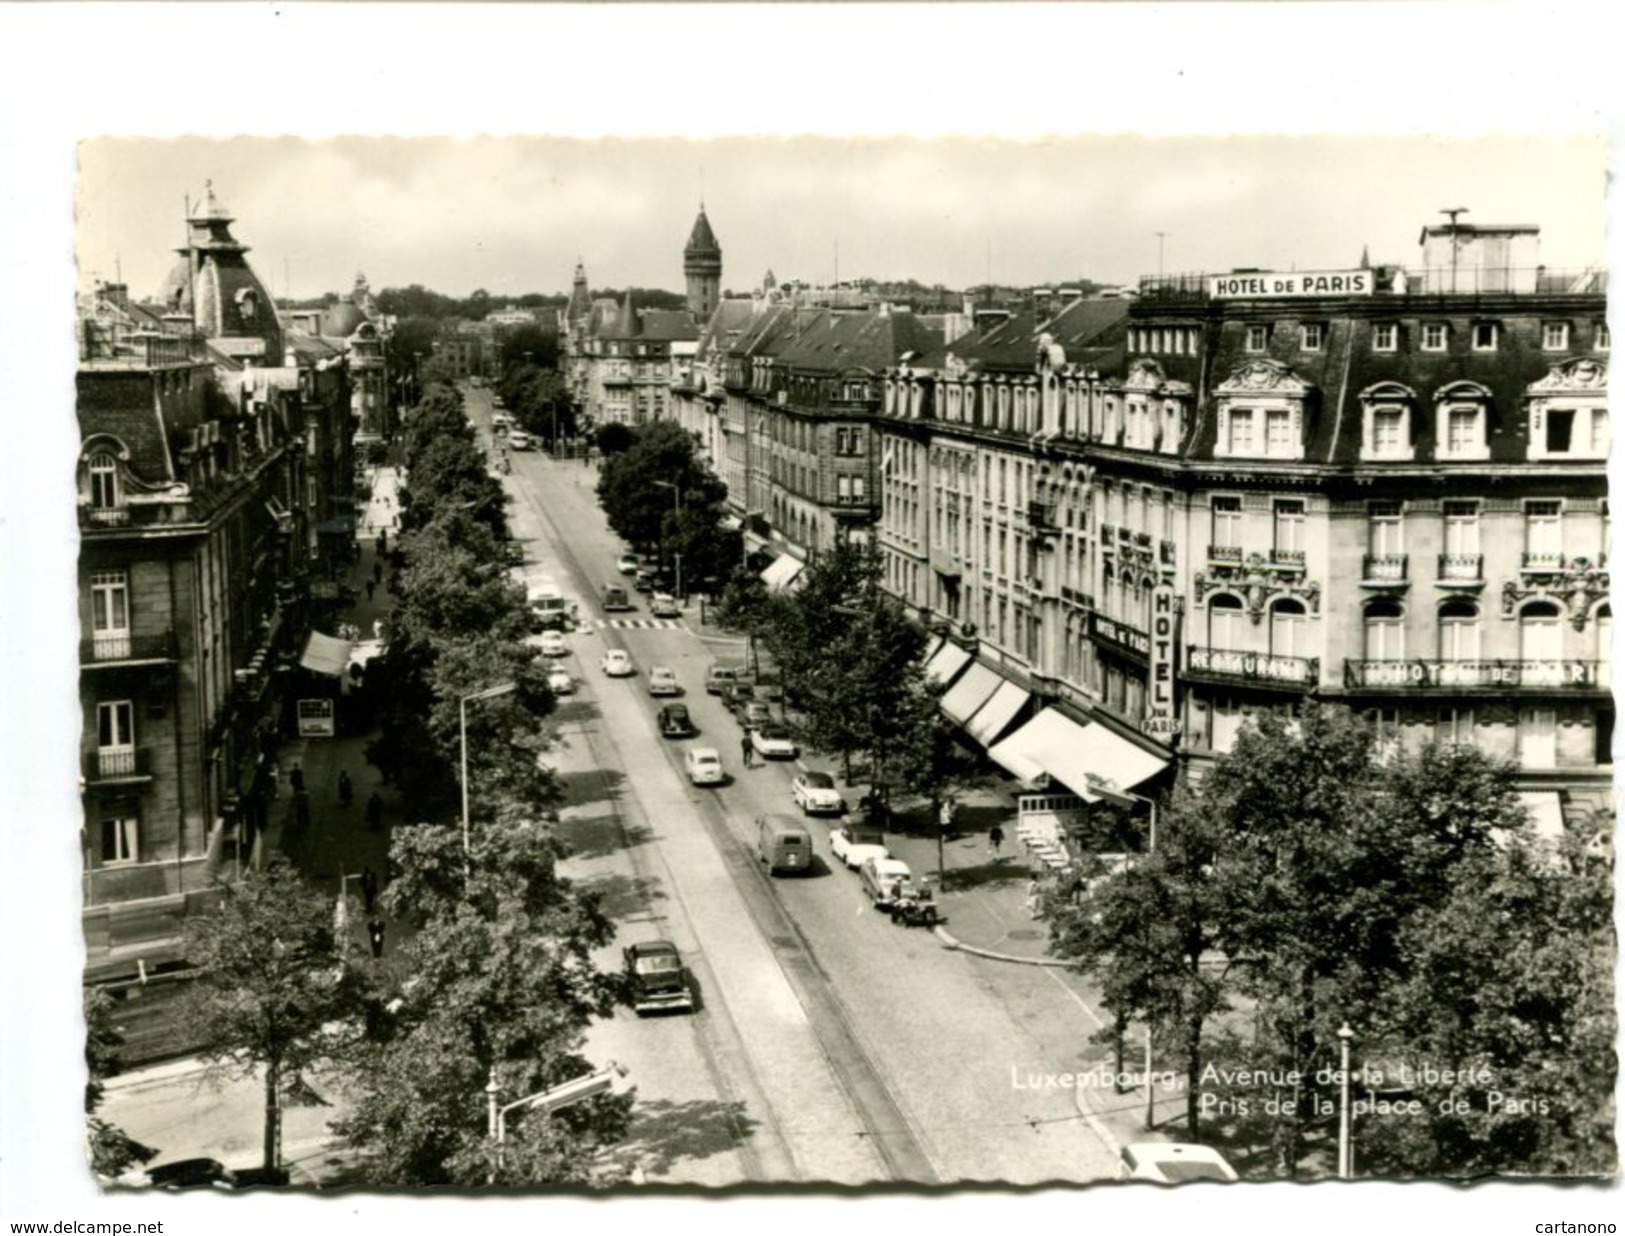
pixel 735 694
pixel 559 681
pixel 513 552
pixel 815 792
pixel 772 741
pixel 704 766
pixel 553 644
pixel 657 977
pixel 675 722
pixel 617 663
pixel 519 440
pixel 644 580
pixel 663 681
pixel 754 714
pixel 884 879
pixel 187 1174
pixel 720 677
pixel 664 605
pixel 1172 1163
pixel 628 563
pixel 855 844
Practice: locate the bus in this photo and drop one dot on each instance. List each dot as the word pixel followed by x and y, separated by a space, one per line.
pixel 616 597
pixel 550 609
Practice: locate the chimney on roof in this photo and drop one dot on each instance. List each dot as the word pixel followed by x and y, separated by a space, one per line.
pixel 116 294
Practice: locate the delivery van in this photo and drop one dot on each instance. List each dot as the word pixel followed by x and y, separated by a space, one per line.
pixel 784 844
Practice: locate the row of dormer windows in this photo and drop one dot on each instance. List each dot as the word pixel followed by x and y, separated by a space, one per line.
pixel 1484 336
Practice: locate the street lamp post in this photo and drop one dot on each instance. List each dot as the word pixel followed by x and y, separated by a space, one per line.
pixel 677 511
pixel 566 1094
pixel 1345 1147
pixel 1105 790
pixel 490 693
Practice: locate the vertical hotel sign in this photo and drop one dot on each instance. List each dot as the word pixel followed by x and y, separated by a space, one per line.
pixel 1161 721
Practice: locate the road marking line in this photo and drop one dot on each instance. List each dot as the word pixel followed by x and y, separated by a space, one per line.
pixel 1077 999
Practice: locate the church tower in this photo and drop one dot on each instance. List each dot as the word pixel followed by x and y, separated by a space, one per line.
pixel 702 263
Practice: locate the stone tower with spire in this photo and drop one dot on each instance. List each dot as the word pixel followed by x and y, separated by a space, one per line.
pixel 702 264
pixel 213 289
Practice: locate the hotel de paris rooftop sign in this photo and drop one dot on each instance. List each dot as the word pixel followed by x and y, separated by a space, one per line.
pixel 1292 283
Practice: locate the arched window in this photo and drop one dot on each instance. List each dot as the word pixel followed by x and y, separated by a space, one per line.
pixel 1540 643
pixel 1226 622
pixel 104 488
pixel 1384 631
pixel 1289 629
pixel 1458 631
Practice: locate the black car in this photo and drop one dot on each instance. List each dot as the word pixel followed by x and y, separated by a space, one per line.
pixel 192 1174
pixel 644 580
pixel 736 695
pixel 675 722
pixel 658 979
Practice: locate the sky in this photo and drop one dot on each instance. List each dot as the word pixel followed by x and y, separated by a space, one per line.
pixel 512 214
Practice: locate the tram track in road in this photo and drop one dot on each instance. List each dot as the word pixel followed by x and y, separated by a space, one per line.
pixel 885 1125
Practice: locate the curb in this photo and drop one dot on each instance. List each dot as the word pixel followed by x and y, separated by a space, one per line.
pixel 952 944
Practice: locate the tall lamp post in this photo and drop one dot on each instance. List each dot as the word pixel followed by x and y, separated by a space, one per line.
pixel 1345 1147
pixel 677 511
pixel 566 1094
pixel 1108 792
pixel 489 693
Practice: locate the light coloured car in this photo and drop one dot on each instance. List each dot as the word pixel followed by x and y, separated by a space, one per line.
pixel 664 605
pixel 553 644
pixel 663 681
pixel 773 742
pixel 856 844
pixel 815 792
pixel 1173 1163
pixel 559 681
pixel 617 663
pixel 882 877
pixel 704 766
pixel 628 564
pixel 519 440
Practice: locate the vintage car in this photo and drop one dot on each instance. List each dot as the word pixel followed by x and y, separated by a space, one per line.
pixel 663 681
pixel 753 713
pixel 720 677
pixel 1173 1163
pixel 655 973
pixel 559 681
pixel 885 879
pixel 675 722
pixel 772 741
pixel 553 644
pixel 735 694
pixel 856 844
pixel 704 766
pixel 628 563
pixel 815 792
pixel 664 605
pixel 617 663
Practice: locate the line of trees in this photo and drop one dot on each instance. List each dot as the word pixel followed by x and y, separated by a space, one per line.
pixel 1316 879
pixel 495 985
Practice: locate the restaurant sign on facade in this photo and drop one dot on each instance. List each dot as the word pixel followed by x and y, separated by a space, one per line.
pixel 1295 283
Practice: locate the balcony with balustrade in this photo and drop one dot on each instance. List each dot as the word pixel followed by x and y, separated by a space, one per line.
pixel 113 766
pixel 1491 677
pixel 1385 571
pixel 1461 571
pixel 122 649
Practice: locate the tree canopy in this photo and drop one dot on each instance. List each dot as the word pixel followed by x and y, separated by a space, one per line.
pixel 1316 878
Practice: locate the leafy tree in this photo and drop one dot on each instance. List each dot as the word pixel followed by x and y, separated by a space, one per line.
pixel 529 346
pixel 614 438
pixel 635 486
pixel 112 1151
pixel 503 986
pixel 271 981
pixel 926 757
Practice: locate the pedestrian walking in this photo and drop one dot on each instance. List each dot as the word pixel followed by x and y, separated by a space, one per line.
pixel 346 791
pixel 369 887
pixel 375 933
pixel 296 778
pixel 995 838
pixel 383 542
pixel 375 812
pixel 378 628
pixel 747 752
pixel 371 584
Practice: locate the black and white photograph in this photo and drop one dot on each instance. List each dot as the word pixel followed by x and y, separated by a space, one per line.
pixel 675 661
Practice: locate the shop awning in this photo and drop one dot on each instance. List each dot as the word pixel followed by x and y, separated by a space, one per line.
pixel 1545 814
pixel 326 654
pixel 1071 753
pixel 782 573
pixel 973 690
pixel 946 661
pixel 994 717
